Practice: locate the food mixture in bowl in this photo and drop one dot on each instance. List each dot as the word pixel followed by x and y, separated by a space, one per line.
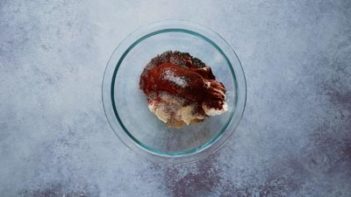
pixel 181 89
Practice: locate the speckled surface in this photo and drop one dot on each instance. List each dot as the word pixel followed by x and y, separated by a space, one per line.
pixel 294 139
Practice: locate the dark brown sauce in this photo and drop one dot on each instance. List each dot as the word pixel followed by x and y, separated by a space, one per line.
pixel 182 75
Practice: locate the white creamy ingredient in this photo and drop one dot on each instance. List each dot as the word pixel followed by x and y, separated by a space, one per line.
pixel 214 112
pixel 170 107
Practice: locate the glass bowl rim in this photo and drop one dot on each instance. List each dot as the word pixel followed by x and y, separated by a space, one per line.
pixel 163 27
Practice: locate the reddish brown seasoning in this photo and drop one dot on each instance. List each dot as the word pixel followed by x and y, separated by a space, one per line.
pixel 182 75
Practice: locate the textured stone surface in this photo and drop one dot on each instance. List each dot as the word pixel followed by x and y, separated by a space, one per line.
pixel 294 139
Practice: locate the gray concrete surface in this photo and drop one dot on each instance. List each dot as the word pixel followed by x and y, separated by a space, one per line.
pixel 294 139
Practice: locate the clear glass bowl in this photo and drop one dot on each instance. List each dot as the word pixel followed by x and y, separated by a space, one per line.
pixel 126 106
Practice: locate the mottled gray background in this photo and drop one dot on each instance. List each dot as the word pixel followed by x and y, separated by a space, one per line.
pixel 294 139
